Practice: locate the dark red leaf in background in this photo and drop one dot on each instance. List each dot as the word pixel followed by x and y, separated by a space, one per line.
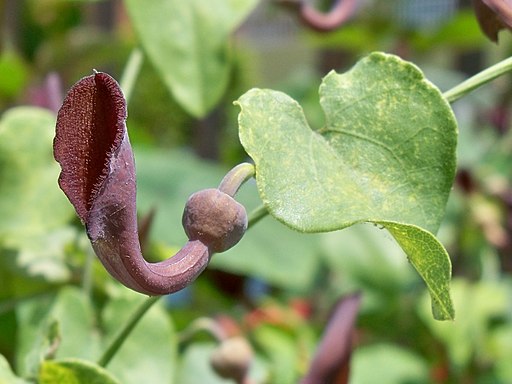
pixel 332 359
pixel 493 15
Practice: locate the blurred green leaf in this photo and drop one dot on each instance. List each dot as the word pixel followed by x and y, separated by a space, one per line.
pixel 477 304
pixel 282 352
pixel 148 355
pixel 387 364
pixel 269 251
pixel 187 41
pixel 73 314
pixel 460 32
pixel 45 256
pixel 32 205
pixel 386 155
pixel 32 202
pixel 13 74
pixel 6 374
pixel 353 256
pixel 501 345
pixel 353 37
pixel 353 253
pixel 74 371
pixel 195 366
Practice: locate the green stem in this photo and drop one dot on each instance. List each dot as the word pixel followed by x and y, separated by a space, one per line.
pixel 131 72
pixel 256 215
pixel 123 333
pixel 235 178
pixel 478 80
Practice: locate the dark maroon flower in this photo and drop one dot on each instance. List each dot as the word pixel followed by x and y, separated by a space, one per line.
pixel 98 177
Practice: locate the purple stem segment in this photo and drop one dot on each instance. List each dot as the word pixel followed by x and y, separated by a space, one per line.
pixel 98 177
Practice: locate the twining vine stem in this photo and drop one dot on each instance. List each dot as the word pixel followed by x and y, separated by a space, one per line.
pixel 478 80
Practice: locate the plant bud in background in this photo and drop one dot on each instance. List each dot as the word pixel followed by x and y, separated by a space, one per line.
pixel 232 359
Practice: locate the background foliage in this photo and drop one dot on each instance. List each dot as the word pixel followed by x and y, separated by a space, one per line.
pixel 59 309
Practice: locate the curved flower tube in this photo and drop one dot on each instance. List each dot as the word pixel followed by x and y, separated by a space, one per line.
pixel 98 177
pixel 340 12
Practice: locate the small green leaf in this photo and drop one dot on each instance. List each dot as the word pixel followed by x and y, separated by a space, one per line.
pixel 187 41
pixel 385 154
pixel 74 371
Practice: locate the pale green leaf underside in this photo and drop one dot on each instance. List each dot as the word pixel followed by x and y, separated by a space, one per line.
pixel 385 154
pixel 187 41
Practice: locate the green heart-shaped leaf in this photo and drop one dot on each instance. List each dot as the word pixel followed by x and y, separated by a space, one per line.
pixel 387 151
pixel 386 154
